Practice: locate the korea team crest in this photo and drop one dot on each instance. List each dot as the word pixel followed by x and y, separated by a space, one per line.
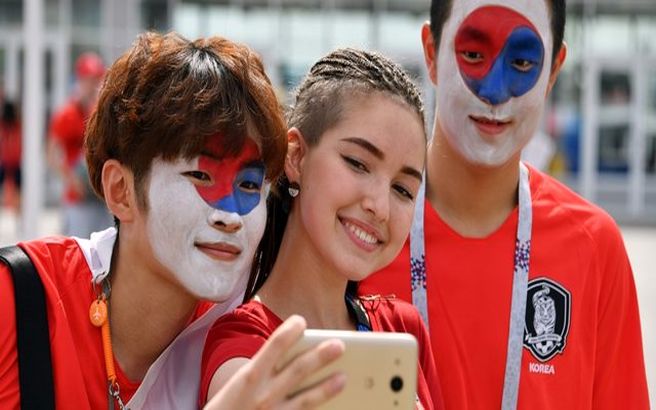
pixel 548 307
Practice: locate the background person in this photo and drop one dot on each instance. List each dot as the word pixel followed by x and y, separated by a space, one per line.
pixel 10 155
pixel 83 212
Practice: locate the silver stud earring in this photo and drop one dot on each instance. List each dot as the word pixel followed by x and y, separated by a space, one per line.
pixel 293 189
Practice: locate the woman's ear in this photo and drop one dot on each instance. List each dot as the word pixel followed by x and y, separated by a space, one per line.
pixel 296 150
pixel 118 189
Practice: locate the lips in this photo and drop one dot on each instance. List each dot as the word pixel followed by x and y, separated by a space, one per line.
pixel 490 126
pixel 363 235
pixel 220 251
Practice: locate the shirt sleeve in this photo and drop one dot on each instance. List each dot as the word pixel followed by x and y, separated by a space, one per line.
pixel 231 336
pixel 9 385
pixel 620 380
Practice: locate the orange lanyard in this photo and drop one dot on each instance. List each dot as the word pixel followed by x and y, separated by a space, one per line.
pixel 99 317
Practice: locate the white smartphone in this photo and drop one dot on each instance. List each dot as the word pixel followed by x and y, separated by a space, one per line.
pixel 380 368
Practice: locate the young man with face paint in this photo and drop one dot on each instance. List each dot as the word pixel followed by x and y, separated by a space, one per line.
pixel 182 144
pixel 526 287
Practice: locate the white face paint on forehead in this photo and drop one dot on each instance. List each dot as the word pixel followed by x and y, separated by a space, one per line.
pixel 535 11
pixel 493 66
pixel 212 264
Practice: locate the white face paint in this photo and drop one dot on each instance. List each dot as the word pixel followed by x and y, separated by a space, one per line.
pixel 489 131
pixel 208 250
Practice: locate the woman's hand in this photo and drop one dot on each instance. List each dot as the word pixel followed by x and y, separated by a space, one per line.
pixel 257 384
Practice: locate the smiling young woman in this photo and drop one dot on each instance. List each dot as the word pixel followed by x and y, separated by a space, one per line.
pixel 342 210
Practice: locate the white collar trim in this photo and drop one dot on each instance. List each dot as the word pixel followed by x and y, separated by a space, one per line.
pixel 98 251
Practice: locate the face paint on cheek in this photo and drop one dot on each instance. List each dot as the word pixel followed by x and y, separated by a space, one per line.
pixel 236 181
pixel 178 220
pixel 499 54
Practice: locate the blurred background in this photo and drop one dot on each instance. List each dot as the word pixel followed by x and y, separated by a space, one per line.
pixel 598 133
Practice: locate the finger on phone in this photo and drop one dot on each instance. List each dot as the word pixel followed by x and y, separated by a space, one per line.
pixel 305 364
pixel 319 393
pixel 288 333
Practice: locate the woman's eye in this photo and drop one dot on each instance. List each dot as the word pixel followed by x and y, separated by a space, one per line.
pixel 354 163
pixel 249 186
pixel 472 56
pixel 198 175
pixel 404 192
pixel 522 65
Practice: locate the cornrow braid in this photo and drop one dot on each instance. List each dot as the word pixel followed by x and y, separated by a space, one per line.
pixel 319 100
pixel 320 97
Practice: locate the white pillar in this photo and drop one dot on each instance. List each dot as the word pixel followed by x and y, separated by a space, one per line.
pixel 279 41
pixel 33 115
pixel 589 142
pixel 12 77
pixel 329 17
pixel 590 131
pixel 121 21
pixel 170 10
pixel 638 138
pixel 379 8
pixel 62 54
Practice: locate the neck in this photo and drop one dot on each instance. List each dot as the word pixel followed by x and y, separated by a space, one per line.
pixel 473 200
pixel 302 283
pixel 146 311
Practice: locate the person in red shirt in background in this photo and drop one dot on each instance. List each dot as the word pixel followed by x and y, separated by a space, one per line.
pixel 83 212
pixel 526 287
pixel 181 148
pixel 10 156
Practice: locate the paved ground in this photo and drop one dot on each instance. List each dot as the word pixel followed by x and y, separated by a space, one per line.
pixel 641 246
pixel 640 243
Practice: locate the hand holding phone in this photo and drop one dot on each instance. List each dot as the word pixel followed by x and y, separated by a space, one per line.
pixel 380 368
pixel 258 383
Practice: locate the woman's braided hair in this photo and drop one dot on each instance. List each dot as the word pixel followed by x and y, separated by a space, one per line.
pixel 319 103
pixel 319 99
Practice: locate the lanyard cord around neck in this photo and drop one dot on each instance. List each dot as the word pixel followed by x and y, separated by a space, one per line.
pixel 99 317
pixel 519 288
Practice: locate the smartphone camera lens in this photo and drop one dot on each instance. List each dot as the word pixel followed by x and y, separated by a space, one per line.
pixel 396 384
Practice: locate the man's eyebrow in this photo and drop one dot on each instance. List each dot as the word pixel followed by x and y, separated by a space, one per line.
pixel 472 33
pixel 375 151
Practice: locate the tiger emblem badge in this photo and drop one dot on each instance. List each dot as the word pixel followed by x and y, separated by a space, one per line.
pixel 547 318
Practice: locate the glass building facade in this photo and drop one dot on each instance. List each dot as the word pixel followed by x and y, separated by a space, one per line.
pixel 599 131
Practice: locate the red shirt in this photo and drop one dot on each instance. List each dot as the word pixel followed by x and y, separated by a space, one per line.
pixel 78 363
pixel 67 127
pixel 575 247
pixel 242 333
pixel 75 344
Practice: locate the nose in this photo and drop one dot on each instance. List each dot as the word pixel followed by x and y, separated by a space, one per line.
pixel 494 88
pixel 376 202
pixel 227 222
